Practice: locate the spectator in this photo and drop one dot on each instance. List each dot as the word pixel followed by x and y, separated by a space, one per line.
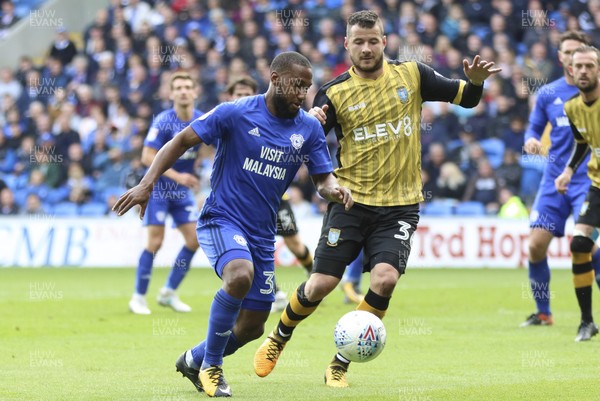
pixel 112 170
pixel 9 18
pixel 460 152
pixel 510 171
pixel 512 206
pixel 8 158
pixel 301 207
pixel 8 207
pixel 78 184
pixel 434 160
pixel 514 136
pixel 484 187
pixel 501 121
pixel 9 85
pixel 63 49
pixel 134 173
pixel 136 13
pixel 37 184
pixel 451 182
pixel 537 68
pixel 33 206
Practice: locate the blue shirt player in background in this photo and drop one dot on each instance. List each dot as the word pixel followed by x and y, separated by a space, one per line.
pixel 261 142
pixel 171 195
pixel 551 210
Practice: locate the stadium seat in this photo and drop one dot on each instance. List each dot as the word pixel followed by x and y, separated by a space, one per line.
pixel 439 208
pixel 57 195
pixel 494 149
pixel 66 209
pixel 102 196
pixel 92 209
pixel 20 196
pixel 470 208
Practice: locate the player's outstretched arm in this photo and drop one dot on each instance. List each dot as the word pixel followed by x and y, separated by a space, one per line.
pixel 164 159
pixel 328 187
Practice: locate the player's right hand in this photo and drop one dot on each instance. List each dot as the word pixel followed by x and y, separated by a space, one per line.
pixel 137 195
pixel 188 180
pixel 533 146
pixel 320 113
pixel 562 182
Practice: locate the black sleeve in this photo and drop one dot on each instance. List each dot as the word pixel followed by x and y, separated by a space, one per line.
pixel 436 87
pixel 320 100
pixel 580 150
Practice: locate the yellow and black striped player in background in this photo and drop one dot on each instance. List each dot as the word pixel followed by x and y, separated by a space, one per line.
pixel 583 111
pixel 375 110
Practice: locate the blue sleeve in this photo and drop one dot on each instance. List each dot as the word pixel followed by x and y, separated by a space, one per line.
pixel 214 125
pixel 537 119
pixel 319 161
pixel 157 134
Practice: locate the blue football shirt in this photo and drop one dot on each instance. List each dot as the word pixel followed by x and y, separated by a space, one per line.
pixel 549 108
pixel 164 127
pixel 258 155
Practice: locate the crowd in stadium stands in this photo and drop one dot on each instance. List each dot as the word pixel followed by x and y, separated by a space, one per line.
pixel 73 127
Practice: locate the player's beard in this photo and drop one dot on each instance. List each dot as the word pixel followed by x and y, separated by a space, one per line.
pixel 590 87
pixel 283 107
pixel 376 65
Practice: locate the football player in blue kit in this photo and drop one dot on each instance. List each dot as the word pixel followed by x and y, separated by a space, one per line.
pixel 261 142
pixel 551 209
pixel 171 195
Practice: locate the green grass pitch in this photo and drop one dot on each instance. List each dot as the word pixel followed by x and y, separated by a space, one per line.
pixel 452 334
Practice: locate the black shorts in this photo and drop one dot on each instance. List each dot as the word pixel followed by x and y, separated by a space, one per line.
pixel 286 221
pixel 590 209
pixel 385 232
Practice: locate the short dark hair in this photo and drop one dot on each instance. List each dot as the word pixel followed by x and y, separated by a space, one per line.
pixel 246 81
pixel 587 49
pixel 574 35
pixel 284 61
pixel 182 75
pixel 364 19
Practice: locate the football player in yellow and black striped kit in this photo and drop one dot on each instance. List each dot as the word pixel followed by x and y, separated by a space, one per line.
pixel 375 110
pixel 583 111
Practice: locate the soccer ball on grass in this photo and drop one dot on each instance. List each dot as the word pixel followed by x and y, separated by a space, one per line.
pixel 359 336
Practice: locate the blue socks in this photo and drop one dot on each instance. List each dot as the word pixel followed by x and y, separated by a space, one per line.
pixel 223 314
pixel 144 272
pixel 539 280
pixel 199 350
pixel 180 268
pixel 354 270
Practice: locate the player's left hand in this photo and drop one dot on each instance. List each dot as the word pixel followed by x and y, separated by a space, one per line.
pixel 341 195
pixel 137 195
pixel 480 70
pixel 320 113
pixel 562 181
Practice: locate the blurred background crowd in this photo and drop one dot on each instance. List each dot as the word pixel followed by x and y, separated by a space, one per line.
pixel 74 119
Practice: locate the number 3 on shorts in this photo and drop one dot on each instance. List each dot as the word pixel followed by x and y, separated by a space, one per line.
pixel 269 281
pixel 404 233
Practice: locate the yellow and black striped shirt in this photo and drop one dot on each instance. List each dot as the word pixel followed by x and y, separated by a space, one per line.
pixel 585 123
pixel 378 126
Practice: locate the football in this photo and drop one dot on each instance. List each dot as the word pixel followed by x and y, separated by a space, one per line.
pixel 359 336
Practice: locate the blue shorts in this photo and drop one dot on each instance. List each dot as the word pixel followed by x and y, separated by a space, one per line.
pixel 178 203
pixel 223 241
pixel 551 210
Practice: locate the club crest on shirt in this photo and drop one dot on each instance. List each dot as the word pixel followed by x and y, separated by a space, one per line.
pixel 403 94
pixel 333 236
pixel 297 141
pixel 240 240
